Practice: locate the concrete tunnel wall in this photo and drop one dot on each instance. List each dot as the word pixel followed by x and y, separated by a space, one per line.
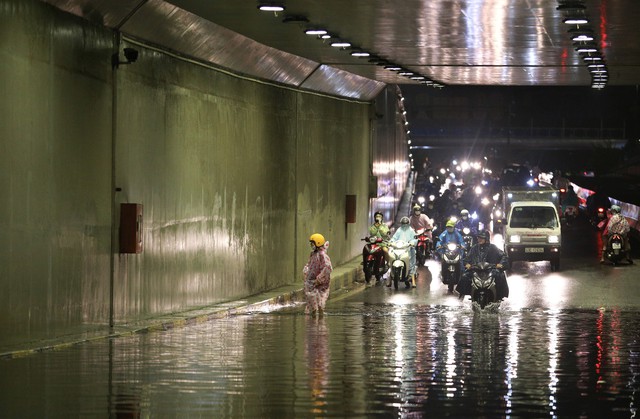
pixel 233 176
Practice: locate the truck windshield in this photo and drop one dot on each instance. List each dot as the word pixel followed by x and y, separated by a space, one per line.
pixel 533 217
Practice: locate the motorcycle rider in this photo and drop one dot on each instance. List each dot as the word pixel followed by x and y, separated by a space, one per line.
pixel 570 199
pixel 377 229
pixel 484 251
pixel 420 221
pixel 617 224
pixel 431 211
pixel 450 235
pixel 407 234
pixel 466 221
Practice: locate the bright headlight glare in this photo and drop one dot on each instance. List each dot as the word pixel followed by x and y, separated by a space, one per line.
pixel 554 239
pixel 514 239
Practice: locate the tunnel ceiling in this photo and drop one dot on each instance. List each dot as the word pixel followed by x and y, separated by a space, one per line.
pixel 468 42
pixel 455 43
pixel 451 42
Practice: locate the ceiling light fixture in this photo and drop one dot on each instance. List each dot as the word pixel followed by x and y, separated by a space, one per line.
pixel 576 21
pixel 392 67
pixel 582 38
pixel 360 54
pixel 340 44
pixel 315 32
pixel 271 7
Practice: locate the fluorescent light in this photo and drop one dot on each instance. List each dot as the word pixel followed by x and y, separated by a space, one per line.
pixel 576 21
pixel 582 38
pixel 267 7
pixel 340 44
pixel 360 54
pixel 316 32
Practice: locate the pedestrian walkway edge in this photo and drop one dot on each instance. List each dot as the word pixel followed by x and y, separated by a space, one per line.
pixel 344 278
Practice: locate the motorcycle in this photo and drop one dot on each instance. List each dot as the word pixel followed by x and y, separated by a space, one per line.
pixel 615 251
pixel 423 247
pixel 450 265
pixel 483 283
pixel 467 237
pixel 375 258
pixel 400 263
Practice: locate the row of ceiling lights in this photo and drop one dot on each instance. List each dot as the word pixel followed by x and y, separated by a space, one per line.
pixel 584 41
pixel 336 42
pixel 403 118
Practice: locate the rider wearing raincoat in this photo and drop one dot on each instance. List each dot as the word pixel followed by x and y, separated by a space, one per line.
pixel 317 275
pixel 407 234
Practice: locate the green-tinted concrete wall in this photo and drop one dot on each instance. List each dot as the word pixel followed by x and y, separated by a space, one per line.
pixel 55 175
pixel 233 176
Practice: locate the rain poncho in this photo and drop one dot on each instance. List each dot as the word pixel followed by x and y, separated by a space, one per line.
pixel 407 234
pixel 453 237
pixel 470 223
pixel 617 224
pixel 317 277
pixel 421 222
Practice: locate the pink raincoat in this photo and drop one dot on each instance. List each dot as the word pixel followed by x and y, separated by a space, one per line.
pixel 317 277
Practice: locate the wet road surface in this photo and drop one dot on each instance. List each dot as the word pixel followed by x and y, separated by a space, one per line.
pixel 564 344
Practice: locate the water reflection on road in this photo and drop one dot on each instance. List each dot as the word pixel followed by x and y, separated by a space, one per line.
pixel 368 356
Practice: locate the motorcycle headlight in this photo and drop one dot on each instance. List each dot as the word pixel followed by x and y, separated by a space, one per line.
pixel 451 246
pixel 421 200
pixel 554 239
pixel 477 281
pixel 466 230
pixel 514 239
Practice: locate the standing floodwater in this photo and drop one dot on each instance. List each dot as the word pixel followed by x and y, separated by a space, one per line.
pixel 359 360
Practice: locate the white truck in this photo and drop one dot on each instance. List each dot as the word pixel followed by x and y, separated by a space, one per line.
pixel 532 229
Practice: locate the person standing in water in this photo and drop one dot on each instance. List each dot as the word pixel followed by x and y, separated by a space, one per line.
pixel 317 275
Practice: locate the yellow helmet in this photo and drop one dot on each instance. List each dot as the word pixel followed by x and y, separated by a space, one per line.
pixel 450 223
pixel 317 239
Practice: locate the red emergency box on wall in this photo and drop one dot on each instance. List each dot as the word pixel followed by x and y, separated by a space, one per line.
pixel 130 228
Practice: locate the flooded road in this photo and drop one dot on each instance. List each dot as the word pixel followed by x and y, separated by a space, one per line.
pixel 564 344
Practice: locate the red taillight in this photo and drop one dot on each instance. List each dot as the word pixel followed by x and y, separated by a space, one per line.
pixel 600 209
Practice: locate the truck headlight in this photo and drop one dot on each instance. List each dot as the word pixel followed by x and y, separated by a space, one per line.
pixel 554 239
pixel 514 239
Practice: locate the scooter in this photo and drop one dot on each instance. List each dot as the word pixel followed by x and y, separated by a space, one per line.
pixel 483 283
pixel 450 265
pixel 423 247
pixel 467 237
pixel 375 257
pixel 400 263
pixel 615 251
